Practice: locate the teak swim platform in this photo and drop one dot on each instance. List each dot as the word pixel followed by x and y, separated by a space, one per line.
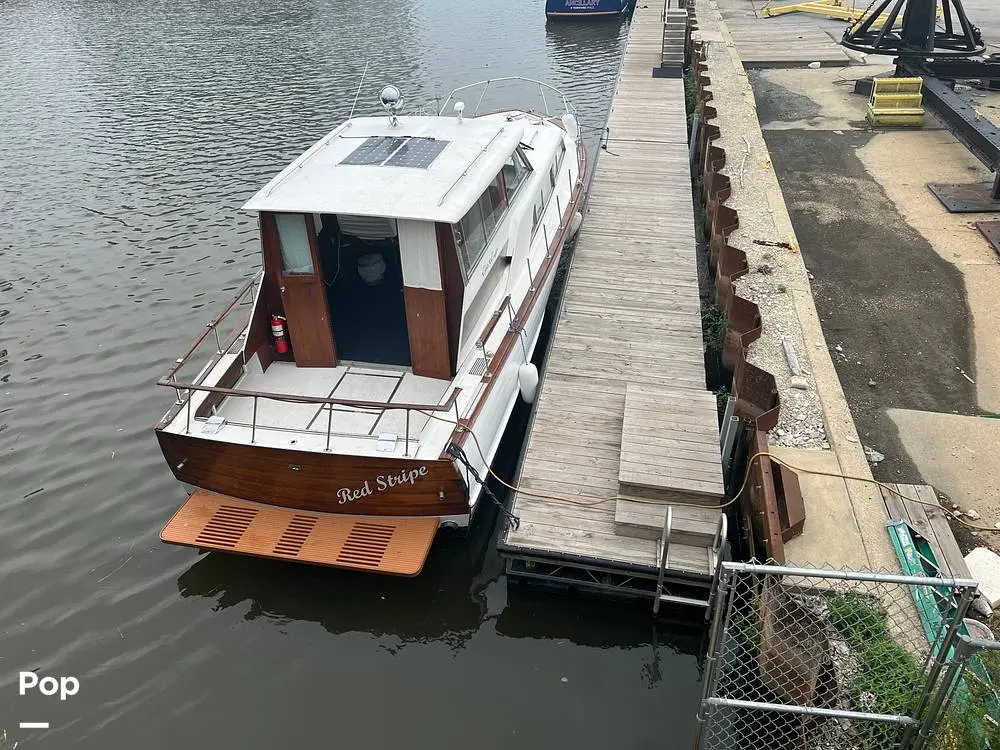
pixel 621 477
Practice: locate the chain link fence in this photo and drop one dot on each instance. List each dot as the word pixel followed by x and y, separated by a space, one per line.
pixel 804 659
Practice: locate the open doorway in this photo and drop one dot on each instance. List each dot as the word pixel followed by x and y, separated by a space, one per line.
pixel 364 288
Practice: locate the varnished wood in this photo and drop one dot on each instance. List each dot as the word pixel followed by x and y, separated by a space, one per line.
pixel 270 286
pixel 454 288
pixel 303 301
pixel 311 481
pixel 397 546
pixel 427 323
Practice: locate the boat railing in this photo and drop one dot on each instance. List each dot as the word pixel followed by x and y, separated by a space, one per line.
pixel 324 402
pixel 486 84
pixel 246 296
pixel 226 344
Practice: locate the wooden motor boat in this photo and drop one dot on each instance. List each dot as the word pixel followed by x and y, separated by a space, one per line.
pixel 348 401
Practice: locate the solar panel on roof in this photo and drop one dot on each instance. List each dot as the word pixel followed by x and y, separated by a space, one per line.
pixel 374 150
pixel 381 150
pixel 417 152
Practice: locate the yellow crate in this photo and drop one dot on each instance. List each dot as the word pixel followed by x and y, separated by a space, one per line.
pixel 896 102
pixel 896 118
pixel 889 86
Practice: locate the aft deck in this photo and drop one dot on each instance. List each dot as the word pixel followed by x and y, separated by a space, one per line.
pixel 346 382
pixel 285 407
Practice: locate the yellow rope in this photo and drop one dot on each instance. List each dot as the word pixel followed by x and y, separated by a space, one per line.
pixel 743 486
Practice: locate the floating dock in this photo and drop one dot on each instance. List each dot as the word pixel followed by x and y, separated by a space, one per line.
pixel 621 476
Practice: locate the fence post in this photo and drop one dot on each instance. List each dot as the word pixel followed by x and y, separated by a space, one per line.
pixel 959 659
pixel 724 596
pixel 931 683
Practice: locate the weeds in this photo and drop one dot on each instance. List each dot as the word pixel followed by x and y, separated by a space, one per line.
pixel 971 720
pixel 889 679
pixel 713 328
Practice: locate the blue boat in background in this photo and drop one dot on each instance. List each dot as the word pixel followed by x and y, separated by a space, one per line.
pixel 585 8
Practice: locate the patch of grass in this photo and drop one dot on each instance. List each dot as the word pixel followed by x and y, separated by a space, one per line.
pixel 889 677
pixel 691 103
pixel 722 400
pixel 713 328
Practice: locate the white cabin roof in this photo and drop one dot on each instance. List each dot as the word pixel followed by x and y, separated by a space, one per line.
pixel 317 182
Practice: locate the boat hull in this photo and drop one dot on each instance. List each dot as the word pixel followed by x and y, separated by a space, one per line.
pixel 320 482
pixel 585 8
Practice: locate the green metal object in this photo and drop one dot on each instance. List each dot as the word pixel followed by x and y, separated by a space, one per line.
pixel 934 604
pixel 936 609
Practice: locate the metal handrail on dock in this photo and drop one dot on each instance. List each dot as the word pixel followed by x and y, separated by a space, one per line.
pixel 664 557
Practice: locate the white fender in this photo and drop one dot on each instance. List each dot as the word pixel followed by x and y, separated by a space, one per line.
pixel 574 224
pixel 572 126
pixel 527 379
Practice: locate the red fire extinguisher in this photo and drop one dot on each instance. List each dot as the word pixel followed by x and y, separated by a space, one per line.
pixel 278 331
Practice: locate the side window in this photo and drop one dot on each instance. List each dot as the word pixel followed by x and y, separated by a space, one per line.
pixel 474 231
pixel 557 164
pixel 515 172
pixel 538 211
pixel 470 238
pixel 492 205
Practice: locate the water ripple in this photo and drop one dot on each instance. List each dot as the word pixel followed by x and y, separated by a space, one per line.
pixel 131 134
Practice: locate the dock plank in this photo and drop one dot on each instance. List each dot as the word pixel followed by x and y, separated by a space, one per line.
pixel 630 319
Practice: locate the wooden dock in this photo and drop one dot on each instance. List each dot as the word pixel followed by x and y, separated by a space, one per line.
pixel 787 41
pixel 623 425
pixel 918 505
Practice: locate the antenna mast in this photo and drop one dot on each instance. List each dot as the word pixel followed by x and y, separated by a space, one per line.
pixel 360 84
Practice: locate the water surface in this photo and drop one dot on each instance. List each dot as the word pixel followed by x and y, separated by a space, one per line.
pixel 130 134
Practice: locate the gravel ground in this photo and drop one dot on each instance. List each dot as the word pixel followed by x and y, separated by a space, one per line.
pixel 775 265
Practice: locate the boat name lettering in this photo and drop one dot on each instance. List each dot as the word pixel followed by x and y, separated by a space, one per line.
pixel 383 482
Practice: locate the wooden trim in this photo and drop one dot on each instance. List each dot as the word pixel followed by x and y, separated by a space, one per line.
pixel 316 481
pixel 508 343
pixel 271 287
pixel 305 303
pixel 492 322
pixel 427 325
pixel 453 285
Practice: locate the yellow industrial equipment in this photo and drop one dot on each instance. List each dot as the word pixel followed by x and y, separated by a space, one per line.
pixel 843 10
pixel 896 102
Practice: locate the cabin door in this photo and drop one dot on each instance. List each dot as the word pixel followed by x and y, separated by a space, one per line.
pixel 303 294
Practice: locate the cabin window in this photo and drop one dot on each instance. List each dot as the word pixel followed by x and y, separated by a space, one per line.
pixel 477 227
pixel 557 163
pixel 492 206
pixel 471 238
pixel 548 187
pixel 296 254
pixel 515 171
pixel 538 210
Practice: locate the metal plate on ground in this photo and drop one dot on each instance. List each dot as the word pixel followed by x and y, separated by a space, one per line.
pixel 991 231
pixel 965 198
